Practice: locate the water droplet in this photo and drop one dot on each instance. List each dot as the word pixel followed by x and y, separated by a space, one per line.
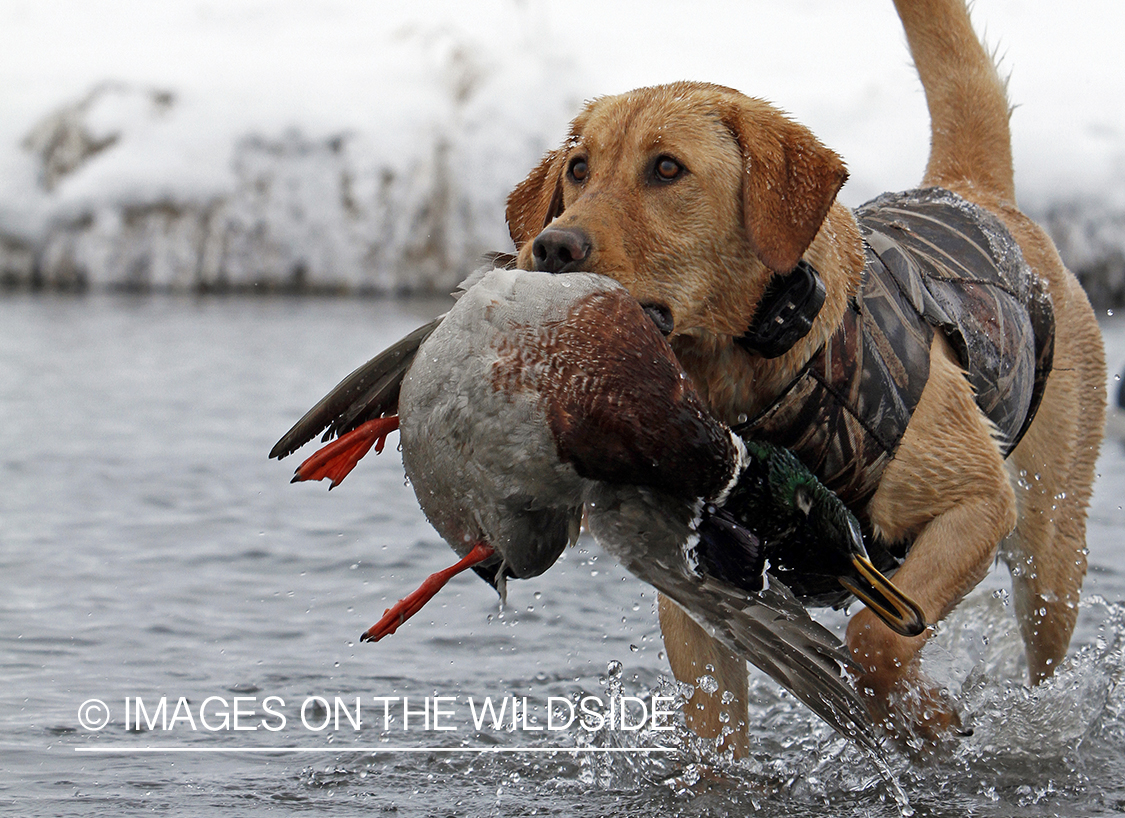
pixel 708 684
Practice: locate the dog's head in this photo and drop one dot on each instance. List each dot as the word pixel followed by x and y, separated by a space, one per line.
pixel 691 195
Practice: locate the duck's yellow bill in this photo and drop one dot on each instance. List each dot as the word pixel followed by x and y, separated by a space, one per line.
pixel 901 613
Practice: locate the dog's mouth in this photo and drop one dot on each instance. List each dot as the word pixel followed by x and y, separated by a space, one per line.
pixel 661 317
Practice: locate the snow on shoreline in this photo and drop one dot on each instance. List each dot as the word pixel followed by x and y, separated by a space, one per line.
pixel 364 146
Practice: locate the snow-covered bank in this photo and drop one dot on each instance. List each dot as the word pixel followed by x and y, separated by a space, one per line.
pixel 339 145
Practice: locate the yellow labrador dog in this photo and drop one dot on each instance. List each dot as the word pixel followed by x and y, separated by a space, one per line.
pixel 928 355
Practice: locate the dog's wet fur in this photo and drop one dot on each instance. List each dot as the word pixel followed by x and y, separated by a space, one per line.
pixel 694 196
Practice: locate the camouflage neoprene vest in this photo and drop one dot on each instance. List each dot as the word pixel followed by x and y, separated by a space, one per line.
pixel 934 261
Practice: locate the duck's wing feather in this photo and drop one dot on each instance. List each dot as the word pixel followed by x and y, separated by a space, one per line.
pixel 370 392
pixel 774 632
pixel 770 628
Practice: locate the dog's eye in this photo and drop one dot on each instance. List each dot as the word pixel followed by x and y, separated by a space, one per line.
pixel 667 168
pixel 578 169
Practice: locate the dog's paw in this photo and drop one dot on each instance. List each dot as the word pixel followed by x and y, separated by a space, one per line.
pixel 920 717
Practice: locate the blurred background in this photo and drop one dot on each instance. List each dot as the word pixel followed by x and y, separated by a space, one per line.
pixel 369 147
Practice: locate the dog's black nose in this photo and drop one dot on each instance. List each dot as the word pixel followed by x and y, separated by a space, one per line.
pixel 560 250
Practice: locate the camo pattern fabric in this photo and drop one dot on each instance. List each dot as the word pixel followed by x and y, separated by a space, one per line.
pixel 965 274
pixel 934 261
pixel 846 412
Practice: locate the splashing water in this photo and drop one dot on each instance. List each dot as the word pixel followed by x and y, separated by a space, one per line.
pixel 150 548
pixel 1036 750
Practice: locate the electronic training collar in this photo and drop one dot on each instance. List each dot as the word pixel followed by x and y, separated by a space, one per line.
pixel 786 312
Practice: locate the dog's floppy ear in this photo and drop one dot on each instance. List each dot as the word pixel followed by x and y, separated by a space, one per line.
pixel 789 181
pixel 536 200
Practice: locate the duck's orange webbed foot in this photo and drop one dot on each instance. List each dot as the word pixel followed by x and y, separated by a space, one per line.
pixel 412 603
pixel 336 460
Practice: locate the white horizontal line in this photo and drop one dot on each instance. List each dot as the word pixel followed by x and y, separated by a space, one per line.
pixel 345 749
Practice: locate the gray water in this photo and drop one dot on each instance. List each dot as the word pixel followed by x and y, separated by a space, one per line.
pixel 149 550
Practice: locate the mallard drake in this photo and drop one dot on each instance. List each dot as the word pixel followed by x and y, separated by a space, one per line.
pixel 539 396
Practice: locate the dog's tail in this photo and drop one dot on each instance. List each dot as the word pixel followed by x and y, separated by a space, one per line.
pixel 968 101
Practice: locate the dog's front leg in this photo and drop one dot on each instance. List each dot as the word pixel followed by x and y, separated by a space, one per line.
pixel 715 711
pixel 948 491
pixel 948 559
